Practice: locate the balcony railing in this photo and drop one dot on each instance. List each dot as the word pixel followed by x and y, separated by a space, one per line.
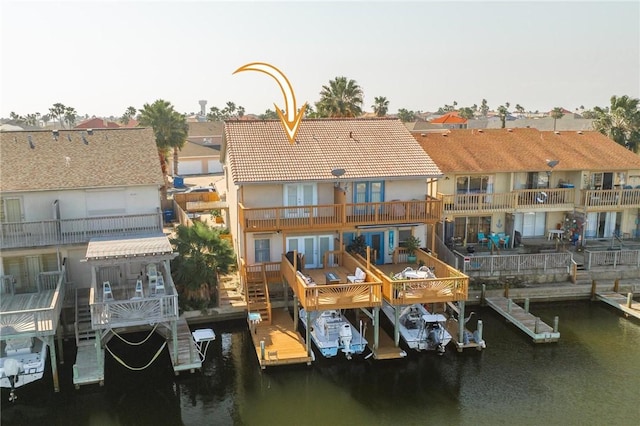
pixel 72 231
pixel 39 312
pixel 529 199
pixel 607 199
pixel 333 216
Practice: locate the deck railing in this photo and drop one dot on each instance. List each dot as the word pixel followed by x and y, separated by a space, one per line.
pixel 611 259
pixel 335 296
pixel 120 313
pixel 72 231
pixel 330 216
pixel 607 199
pixel 518 264
pixel 36 321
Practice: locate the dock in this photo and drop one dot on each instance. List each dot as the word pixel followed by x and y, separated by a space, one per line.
pixel 186 355
pixel 89 366
pixel 453 327
pixel 386 347
pixel 539 331
pixel 621 302
pixel 278 343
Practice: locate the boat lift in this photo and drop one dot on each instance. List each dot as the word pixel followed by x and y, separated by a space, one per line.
pixel 202 337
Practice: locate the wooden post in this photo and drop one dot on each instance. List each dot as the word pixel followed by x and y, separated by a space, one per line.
pixel 296 311
pixel 556 320
pixel 396 326
pixel 376 327
pixel 262 350
pixel 60 349
pixel 506 290
pixel 54 365
pixel 526 304
pixel 616 284
pixel 629 299
pixel 509 305
pixel 535 330
pixel 483 295
pixel 593 289
pixel 461 321
pixel 480 325
pixel 307 332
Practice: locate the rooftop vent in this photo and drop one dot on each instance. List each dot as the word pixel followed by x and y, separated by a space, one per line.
pixel 69 137
pixel 31 142
pixel 423 134
pixel 90 131
pixel 55 134
pixel 84 139
pixel 510 130
pixel 579 132
pixel 480 130
pixel 556 132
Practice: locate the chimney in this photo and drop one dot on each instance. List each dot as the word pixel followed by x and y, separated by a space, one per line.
pixel 203 108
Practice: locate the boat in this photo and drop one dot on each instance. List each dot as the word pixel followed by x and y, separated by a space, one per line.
pixel 420 329
pixel 332 333
pixel 22 361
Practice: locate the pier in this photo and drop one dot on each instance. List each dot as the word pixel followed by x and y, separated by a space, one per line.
pixel 539 331
pixel 469 340
pixel 387 348
pixel 89 366
pixel 184 355
pixel 621 302
pixel 278 343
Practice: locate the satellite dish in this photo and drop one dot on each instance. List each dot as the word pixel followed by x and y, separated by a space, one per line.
pixel 338 172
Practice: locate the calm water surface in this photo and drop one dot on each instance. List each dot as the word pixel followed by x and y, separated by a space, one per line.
pixel 591 377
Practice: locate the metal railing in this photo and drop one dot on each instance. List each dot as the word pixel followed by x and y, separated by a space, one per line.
pixel 611 259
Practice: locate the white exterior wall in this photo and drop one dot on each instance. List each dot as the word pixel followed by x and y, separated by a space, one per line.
pixel 405 190
pixel 74 204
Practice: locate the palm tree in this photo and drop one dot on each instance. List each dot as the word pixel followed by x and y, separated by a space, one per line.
pixel 380 106
pixel 202 254
pixel 57 112
pixel 484 108
pixel 556 113
pixel 406 116
pixel 170 128
pixel 620 122
pixel 519 109
pixel 341 98
pixel 129 113
pixel 70 116
pixel 502 113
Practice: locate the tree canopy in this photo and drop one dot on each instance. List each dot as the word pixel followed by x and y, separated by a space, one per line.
pixel 620 122
pixel 380 106
pixel 342 97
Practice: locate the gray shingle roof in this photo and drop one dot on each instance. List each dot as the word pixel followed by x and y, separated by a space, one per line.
pixel 259 151
pixel 111 157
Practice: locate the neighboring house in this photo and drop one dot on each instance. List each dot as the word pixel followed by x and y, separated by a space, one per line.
pixel 86 204
pixel 532 181
pixel 450 120
pixel 201 152
pixel 97 123
pixel 566 123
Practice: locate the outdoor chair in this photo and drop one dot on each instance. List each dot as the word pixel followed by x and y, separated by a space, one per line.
pixel 482 240
pixel 358 277
pixel 106 291
pixel 505 241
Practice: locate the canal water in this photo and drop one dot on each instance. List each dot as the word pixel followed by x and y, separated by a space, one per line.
pixel 591 377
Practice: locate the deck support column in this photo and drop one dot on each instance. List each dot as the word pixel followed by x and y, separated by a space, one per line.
pixel 296 312
pixel 60 349
pixel 629 300
pixel 98 344
pixel 396 326
pixel 461 321
pixel 50 341
pixel 376 327
pixel 307 333
pixel 174 336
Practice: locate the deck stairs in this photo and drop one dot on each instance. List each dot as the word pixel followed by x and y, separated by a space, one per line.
pixel 257 296
pixel 85 335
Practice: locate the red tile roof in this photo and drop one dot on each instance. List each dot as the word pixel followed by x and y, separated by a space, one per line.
pixel 259 151
pixel 449 118
pixel 97 123
pixel 513 150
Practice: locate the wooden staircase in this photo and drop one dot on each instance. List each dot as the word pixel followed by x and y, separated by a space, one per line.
pixel 257 295
pixel 85 335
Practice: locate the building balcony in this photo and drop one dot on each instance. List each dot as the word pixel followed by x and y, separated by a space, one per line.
pixel 335 216
pixel 520 200
pixel 609 199
pixel 74 231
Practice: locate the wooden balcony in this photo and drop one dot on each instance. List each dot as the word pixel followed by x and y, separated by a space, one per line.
pixel 517 200
pixel 73 231
pixel 127 308
pixel 32 313
pixel 342 295
pixel 609 199
pixel 450 285
pixel 335 216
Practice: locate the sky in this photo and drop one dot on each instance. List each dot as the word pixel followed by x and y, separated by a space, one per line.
pixel 102 56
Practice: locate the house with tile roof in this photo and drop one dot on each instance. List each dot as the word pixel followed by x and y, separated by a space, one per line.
pixel 450 120
pixel 84 206
pixel 201 151
pixel 97 123
pixel 531 181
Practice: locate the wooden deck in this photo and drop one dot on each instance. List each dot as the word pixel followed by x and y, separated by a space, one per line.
pixel 386 347
pixel 186 357
pixel 282 343
pixel 21 311
pixel 539 331
pixel 89 366
pixel 620 302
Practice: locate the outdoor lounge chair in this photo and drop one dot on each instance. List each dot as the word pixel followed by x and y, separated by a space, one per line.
pixel 358 277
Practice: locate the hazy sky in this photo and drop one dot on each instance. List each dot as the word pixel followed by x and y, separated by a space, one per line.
pixel 100 57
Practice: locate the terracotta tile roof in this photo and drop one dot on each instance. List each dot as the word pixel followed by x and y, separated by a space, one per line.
pixel 140 245
pixel 449 118
pixel 97 123
pixel 205 128
pixel 259 151
pixel 514 150
pixel 112 157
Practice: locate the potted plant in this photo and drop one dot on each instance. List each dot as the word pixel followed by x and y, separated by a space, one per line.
pixel 412 244
pixel 218 215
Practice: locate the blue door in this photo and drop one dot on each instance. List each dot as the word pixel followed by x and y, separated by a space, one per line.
pixel 375 240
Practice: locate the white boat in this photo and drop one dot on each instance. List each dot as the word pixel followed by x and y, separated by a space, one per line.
pixel 332 332
pixel 22 361
pixel 419 329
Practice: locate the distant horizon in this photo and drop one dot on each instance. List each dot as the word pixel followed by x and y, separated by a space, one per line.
pixel 420 55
